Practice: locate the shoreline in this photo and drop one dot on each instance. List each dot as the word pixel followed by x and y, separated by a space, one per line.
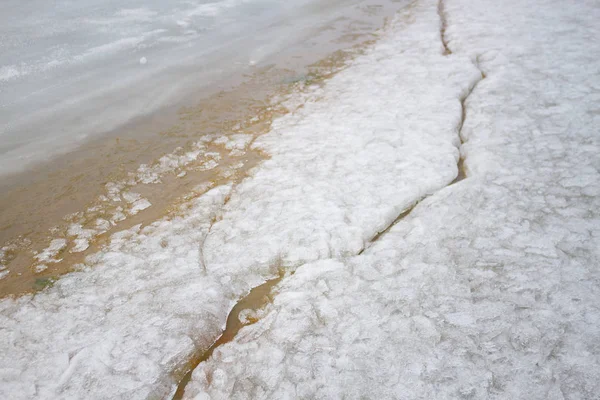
pixel 422 220
pixel 72 184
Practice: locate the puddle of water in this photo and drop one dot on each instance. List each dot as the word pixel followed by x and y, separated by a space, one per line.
pixel 257 299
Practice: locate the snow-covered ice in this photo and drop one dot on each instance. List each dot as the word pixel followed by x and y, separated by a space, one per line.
pixel 490 287
pixel 367 145
pixel 376 139
pixel 49 253
pixel 487 289
pixel 121 327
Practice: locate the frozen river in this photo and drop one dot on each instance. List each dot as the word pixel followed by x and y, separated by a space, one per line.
pixel 70 70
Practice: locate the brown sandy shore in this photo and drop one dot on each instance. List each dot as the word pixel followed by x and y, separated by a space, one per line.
pixel 43 203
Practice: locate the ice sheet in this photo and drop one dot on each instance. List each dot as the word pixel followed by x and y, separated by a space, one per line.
pixel 372 141
pixel 489 287
pixel 377 138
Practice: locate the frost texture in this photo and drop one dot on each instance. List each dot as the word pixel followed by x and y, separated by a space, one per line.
pixel 377 138
pixel 118 329
pixel 490 287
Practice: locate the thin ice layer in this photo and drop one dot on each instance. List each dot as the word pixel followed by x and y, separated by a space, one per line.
pixel 490 287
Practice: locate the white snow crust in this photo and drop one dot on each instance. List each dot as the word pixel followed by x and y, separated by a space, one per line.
pixel 367 145
pixel 376 139
pixel 487 289
pixel 119 328
pixel 490 287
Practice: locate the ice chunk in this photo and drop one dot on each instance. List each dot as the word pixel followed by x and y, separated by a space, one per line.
pixel 139 205
pixel 53 249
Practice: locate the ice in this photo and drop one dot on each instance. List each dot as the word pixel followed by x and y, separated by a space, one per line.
pixel 377 138
pixel 120 327
pixel 237 141
pixel 9 72
pixel 489 287
pixel 139 205
pixel 54 248
pixel 364 147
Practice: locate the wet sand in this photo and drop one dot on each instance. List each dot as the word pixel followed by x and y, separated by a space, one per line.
pixel 41 204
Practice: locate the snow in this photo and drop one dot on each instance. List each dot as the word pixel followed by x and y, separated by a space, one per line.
pixel 343 166
pixel 53 249
pixel 489 287
pixel 120 327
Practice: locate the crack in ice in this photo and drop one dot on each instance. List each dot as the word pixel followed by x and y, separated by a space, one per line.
pixel 230 334
pixel 256 299
pixel 443 26
pixel 448 51
pixel 477 271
